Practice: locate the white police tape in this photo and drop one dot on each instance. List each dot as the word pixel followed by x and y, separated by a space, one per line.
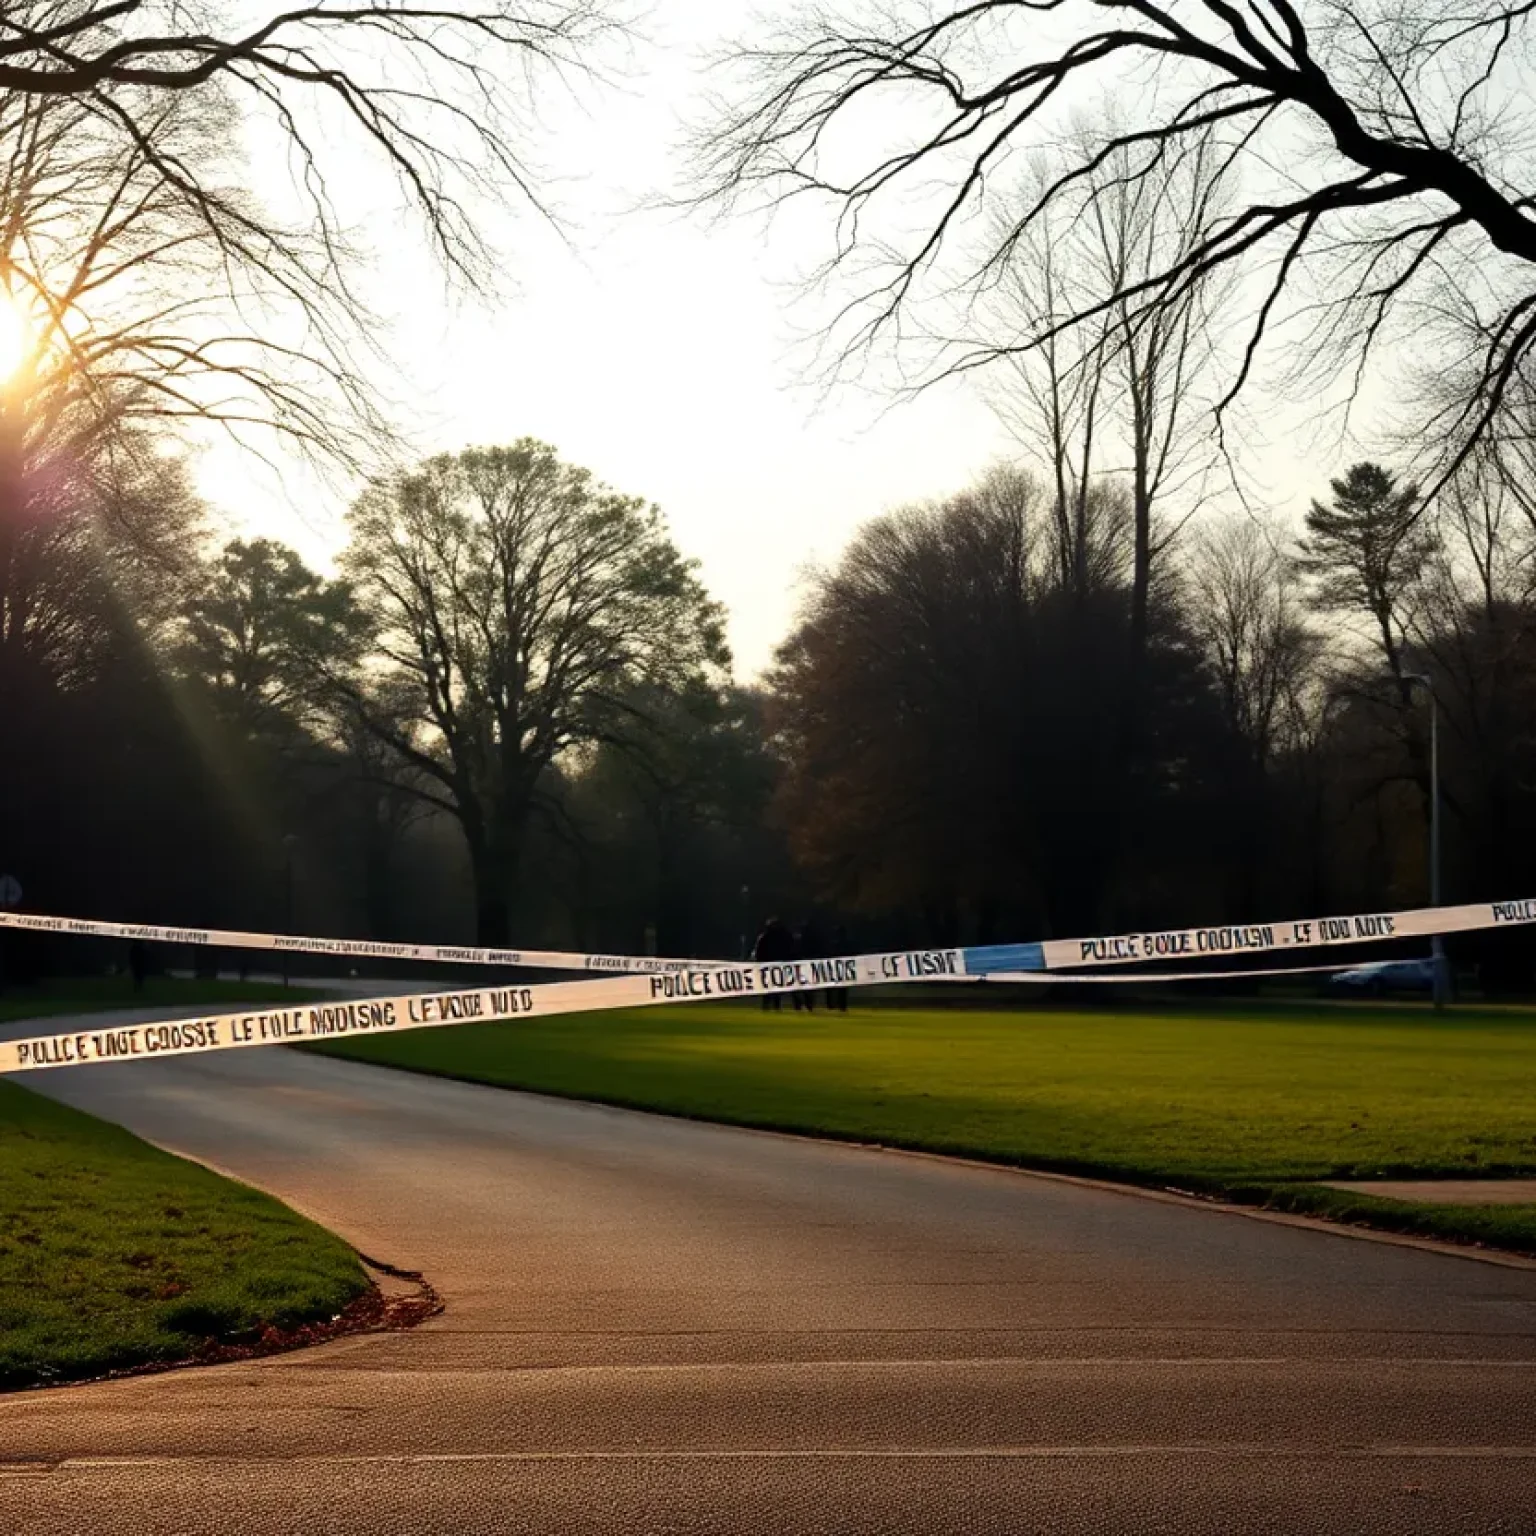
pixel 106 1042
pixel 723 981
pixel 357 949
pixel 1050 954
pixel 1144 978
pixel 1226 940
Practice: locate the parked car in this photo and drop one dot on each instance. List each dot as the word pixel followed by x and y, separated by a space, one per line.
pixel 1383 976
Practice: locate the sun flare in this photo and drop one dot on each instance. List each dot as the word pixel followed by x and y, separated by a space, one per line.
pixel 15 338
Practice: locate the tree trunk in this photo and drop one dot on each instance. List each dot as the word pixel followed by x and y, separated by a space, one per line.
pixel 379 840
pixel 492 929
pixel 495 857
pixel 1140 382
pixel 1141 568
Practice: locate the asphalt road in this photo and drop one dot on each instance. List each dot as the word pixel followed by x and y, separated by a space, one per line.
pixel 658 1327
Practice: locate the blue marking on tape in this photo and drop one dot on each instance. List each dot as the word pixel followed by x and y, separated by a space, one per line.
pixel 1003 957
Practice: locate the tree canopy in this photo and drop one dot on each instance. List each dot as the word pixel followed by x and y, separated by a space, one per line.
pixel 521 609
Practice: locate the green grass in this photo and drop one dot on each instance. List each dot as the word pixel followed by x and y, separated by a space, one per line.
pixel 91 994
pixel 115 1254
pixel 1254 1102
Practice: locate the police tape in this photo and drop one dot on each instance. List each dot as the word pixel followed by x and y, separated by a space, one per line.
pixel 356 949
pixel 1210 941
pixel 1143 978
pixel 1229 939
pixel 107 1042
pixel 1050 954
pixel 724 981
pixel 334 1020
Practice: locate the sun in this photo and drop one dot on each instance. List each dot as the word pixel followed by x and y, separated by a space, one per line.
pixel 15 338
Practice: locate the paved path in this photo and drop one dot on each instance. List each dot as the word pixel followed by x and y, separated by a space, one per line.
pixel 661 1327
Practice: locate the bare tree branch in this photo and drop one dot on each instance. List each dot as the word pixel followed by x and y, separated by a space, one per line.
pixel 1363 132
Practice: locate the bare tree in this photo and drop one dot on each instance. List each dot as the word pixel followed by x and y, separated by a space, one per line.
pixel 1378 145
pixel 1052 399
pixel 1482 511
pixel 1130 393
pixel 521 607
pixel 130 237
pixel 115 303
pixel 1141 224
pixel 1247 608
pixel 134 304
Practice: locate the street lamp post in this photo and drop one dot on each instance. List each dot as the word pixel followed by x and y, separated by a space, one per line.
pixel 1437 941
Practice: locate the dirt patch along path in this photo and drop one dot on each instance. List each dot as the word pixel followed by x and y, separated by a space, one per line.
pixel 1445 1191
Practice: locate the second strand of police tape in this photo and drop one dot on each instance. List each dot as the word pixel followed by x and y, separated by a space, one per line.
pixel 998 959
pixel 1051 954
pixel 1202 942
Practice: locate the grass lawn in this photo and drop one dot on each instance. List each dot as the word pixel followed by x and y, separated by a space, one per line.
pixel 1255 1102
pixel 115 1254
pixel 90 994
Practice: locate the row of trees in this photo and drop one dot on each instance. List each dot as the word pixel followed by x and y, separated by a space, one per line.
pixel 512 713
pixel 1062 700
pixel 513 710
pixel 514 706
pixel 976 739
pixel 147 296
pixel 1105 702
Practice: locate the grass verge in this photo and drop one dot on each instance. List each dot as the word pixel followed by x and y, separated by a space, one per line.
pixel 1253 1103
pixel 114 1254
pixel 93 994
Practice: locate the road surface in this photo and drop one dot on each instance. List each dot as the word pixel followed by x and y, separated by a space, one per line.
pixel 655 1326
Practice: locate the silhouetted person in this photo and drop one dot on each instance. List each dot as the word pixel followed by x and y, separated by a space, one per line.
pixel 808 946
pixel 775 944
pixel 138 963
pixel 837 997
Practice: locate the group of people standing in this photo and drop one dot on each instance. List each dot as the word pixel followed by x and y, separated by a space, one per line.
pixel 777 942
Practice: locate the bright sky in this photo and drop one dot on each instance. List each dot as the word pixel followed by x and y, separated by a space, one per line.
pixel 665 354
pixel 672 355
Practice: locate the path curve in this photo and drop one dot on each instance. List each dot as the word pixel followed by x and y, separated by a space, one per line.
pixel 655 1325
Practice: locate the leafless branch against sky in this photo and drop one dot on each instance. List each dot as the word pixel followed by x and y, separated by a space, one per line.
pixel 1382 154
